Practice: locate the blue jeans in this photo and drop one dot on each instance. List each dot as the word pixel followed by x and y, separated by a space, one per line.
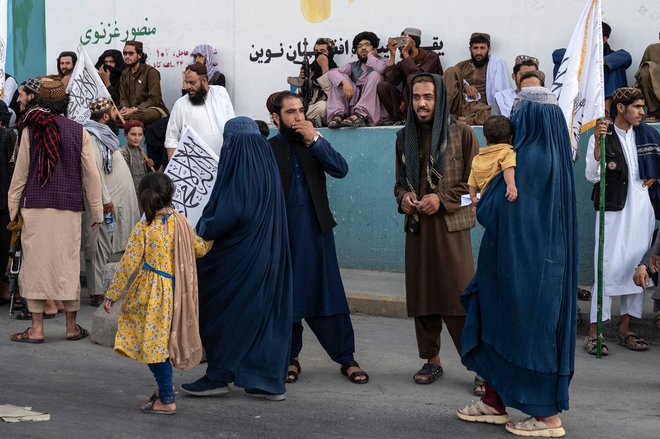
pixel 163 374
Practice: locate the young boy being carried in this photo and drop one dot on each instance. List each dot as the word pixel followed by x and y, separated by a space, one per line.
pixel 497 156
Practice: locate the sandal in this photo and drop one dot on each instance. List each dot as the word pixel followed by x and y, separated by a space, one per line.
pixel 149 408
pixel 428 373
pixel 480 412
pixel 82 333
pixel 292 375
pixel 532 427
pixel 591 345
pixel 336 121
pixel 632 341
pixel 24 337
pixel 355 375
pixel 478 388
pixel 355 121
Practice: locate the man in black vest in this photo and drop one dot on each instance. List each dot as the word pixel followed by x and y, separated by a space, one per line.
pixel 303 158
pixel 632 167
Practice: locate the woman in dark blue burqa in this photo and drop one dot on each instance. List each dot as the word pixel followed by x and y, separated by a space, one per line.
pixel 521 305
pixel 245 285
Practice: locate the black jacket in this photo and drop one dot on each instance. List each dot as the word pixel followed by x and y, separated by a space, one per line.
pixel 616 175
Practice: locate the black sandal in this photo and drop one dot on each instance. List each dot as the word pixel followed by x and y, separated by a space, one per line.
pixel 292 376
pixel 430 372
pixel 355 121
pixel 353 377
pixel 336 121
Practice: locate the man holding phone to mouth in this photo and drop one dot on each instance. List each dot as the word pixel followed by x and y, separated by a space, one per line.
pixel 393 91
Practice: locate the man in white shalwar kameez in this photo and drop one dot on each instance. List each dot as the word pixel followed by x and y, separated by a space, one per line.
pixel 628 231
pixel 205 108
pixel 118 194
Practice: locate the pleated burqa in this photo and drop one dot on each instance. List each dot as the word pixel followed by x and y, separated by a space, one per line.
pixel 245 287
pixel 522 303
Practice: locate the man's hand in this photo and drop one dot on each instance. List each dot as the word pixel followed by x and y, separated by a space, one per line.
pixel 149 163
pixel 641 276
pixel 306 129
pixel 429 204
pixel 391 46
pixel 105 76
pixel 409 203
pixel 649 182
pixel 599 130
pixel 470 91
pixel 348 89
pixel 374 52
pixel 409 49
pixel 323 62
pixel 125 112
pixel 109 207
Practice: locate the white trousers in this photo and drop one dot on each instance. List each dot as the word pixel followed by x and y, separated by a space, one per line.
pixel 631 304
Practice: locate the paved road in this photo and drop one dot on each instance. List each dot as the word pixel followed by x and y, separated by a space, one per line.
pixel 91 392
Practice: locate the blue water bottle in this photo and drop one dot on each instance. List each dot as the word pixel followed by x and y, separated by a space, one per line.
pixel 109 223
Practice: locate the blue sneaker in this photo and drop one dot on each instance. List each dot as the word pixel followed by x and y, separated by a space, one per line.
pixel 205 387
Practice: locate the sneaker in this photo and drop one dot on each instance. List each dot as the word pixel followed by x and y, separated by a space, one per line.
pixel 205 387
pixel 255 393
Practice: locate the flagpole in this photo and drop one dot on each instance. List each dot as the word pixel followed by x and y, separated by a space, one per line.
pixel 601 241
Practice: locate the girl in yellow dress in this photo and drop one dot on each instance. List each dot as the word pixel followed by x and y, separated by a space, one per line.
pixel 145 320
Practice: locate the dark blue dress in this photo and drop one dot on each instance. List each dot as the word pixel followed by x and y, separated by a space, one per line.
pixel 317 285
pixel 245 288
pixel 521 305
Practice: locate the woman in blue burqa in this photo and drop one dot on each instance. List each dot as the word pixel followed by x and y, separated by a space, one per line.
pixel 521 304
pixel 245 285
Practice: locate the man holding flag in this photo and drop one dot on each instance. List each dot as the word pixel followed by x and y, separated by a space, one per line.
pixel 632 167
pixel 84 87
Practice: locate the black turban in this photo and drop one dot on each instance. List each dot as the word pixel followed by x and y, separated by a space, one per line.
pixel 366 35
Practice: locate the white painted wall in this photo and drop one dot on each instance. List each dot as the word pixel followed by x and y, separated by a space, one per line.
pixel 239 29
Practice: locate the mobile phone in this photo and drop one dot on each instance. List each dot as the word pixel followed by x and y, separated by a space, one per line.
pixel 400 41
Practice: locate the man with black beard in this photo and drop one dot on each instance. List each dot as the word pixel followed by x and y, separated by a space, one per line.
pixel 303 158
pixel 205 108
pixel 473 83
pixel 118 196
pixel 66 61
pixel 324 53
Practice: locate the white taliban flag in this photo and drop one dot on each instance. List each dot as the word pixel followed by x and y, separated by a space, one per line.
pixel 3 45
pixel 84 86
pixel 579 84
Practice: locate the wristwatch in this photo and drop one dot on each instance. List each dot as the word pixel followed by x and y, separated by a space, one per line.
pixel 314 139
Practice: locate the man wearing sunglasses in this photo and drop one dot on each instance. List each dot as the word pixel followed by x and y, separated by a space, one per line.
pixel 139 87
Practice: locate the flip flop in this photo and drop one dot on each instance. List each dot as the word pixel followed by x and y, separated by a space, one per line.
pixel 82 333
pixel 24 337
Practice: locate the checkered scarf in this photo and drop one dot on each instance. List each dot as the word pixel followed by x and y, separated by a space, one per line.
pixel 46 134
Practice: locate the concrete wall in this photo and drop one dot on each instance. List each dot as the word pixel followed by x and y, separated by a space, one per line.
pixel 28 38
pixel 370 231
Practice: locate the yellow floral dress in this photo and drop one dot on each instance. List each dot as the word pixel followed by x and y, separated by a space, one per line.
pixel 146 314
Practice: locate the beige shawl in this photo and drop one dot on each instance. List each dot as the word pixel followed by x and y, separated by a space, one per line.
pixel 185 347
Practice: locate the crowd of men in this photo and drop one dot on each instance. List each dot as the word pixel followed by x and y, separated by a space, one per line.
pixel 69 178
pixel 373 90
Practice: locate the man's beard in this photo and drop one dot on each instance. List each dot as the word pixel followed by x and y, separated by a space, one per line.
pixel 112 124
pixel 290 133
pixel 481 63
pixel 199 97
pixel 131 65
pixel 65 72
